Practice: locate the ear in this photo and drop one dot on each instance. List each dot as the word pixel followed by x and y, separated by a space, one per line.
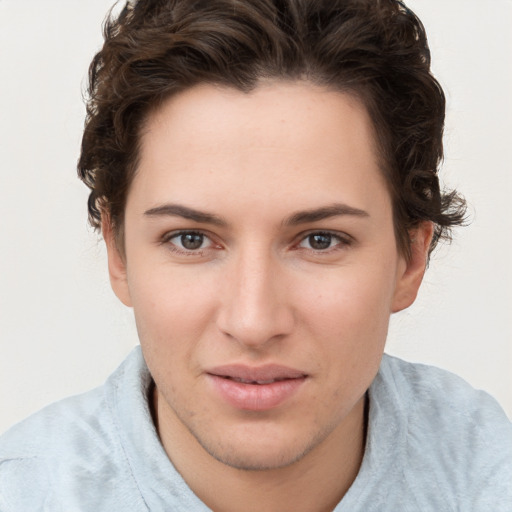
pixel 116 263
pixel 411 271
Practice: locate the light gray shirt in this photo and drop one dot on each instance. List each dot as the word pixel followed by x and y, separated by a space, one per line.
pixel 433 444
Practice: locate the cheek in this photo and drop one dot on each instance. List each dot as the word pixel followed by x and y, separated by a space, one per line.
pixel 348 302
pixel 348 319
pixel 348 322
pixel 172 310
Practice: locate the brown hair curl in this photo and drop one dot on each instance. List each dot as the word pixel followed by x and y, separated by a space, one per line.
pixel 375 49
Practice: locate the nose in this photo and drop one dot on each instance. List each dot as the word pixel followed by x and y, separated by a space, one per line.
pixel 255 309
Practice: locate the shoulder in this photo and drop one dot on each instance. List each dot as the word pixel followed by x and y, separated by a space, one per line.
pixel 457 440
pixel 67 451
pixel 441 398
pixel 55 424
pixel 51 444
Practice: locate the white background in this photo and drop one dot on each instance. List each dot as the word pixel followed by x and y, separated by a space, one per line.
pixel 62 331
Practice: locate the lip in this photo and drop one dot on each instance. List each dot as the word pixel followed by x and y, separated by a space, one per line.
pixel 255 388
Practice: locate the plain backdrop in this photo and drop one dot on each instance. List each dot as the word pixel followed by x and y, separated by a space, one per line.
pixel 62 331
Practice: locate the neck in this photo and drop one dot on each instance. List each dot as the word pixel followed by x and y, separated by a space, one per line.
pixel 316 482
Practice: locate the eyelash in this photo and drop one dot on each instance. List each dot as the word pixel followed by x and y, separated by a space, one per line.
pixel 343 241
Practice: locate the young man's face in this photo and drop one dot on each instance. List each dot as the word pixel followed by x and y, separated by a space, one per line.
pixel 262 266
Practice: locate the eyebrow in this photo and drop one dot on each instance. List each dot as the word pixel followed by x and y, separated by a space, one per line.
pixel 316 214
pixel 177 210
pixel 302 217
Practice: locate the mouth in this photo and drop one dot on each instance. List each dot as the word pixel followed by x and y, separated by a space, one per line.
pixel 256 374
pixel 256 388
pixel 249 381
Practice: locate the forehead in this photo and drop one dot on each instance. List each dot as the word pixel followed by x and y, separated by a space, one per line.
pixel 210 142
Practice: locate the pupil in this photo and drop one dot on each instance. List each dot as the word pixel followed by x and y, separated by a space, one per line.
pixel 320 241
pixel 192 241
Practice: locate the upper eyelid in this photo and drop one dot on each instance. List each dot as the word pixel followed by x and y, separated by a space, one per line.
pixel 168 235
pixel 337 234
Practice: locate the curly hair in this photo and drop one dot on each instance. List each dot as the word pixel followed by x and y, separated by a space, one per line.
pixel 374 49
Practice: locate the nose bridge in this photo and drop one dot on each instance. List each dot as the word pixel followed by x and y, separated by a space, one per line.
pixel 255 308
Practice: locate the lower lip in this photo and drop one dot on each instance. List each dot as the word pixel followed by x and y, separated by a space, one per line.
pixel 256 397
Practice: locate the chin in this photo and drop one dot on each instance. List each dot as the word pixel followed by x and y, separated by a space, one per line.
pixel 249 460
pixel 262 450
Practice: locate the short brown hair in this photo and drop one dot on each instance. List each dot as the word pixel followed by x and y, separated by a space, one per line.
pixel 375 49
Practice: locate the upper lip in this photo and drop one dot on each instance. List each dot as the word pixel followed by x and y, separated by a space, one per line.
pixel 266 372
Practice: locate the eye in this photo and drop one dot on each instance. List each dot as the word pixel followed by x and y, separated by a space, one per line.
pixel 322 241
pixel 189 241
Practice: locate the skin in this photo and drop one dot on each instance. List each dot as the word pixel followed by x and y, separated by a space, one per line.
pixel 259 288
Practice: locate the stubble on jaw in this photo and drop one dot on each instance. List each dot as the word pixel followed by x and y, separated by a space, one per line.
pixel 229 456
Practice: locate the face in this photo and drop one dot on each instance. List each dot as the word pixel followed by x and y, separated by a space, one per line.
pixel 262 267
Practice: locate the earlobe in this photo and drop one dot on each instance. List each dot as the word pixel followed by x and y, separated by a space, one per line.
pixel 116 263
pixel 411 271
